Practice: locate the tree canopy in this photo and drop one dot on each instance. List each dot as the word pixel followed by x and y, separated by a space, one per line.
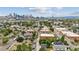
pixel 24 47
pixel 19 39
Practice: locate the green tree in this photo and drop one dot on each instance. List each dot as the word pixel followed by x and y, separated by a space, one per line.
pixel 62 38
pixel 47 41
pixel 76 49
pixel 18 48
pixel 19 39
pixel 34 34
pixel 52 29
pixel 42 49
pixel 5 40
pixel 5 31
pixel 65 42
pixel 24 47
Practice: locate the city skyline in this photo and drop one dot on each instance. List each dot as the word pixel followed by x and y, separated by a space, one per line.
pixel 41 11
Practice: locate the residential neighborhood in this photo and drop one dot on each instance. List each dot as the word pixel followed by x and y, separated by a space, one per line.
pixel 38 33
pixel 35 35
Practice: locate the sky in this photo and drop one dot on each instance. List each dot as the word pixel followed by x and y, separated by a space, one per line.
pixel 41 11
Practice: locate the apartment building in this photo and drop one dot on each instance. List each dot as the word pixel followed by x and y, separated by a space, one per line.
pixel 68 34
pixel 46 33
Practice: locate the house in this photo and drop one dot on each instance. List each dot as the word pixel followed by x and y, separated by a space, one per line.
pixel 44 46
pixel 58 23
pixel 76 25
pixel 44 30
pixel 59 46
pixel 58 31
pixel 15 26
pixel 30 30
pixel 29 33
pixel 1 25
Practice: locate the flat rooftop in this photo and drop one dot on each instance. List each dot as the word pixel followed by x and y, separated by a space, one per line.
pixel 30 30
pixel 44 28
pixel 46 35
pixel 70 34
pixel 61 29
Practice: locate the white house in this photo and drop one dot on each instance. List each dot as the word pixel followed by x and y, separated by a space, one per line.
pixel 59 46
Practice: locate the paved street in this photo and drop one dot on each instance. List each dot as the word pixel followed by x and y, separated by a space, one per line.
pixel 37 44
pixel 8 45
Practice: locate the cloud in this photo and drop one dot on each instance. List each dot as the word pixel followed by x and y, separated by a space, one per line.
pixel 75 14
pixel 40 10
pixel 59 8
pixel 53 11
